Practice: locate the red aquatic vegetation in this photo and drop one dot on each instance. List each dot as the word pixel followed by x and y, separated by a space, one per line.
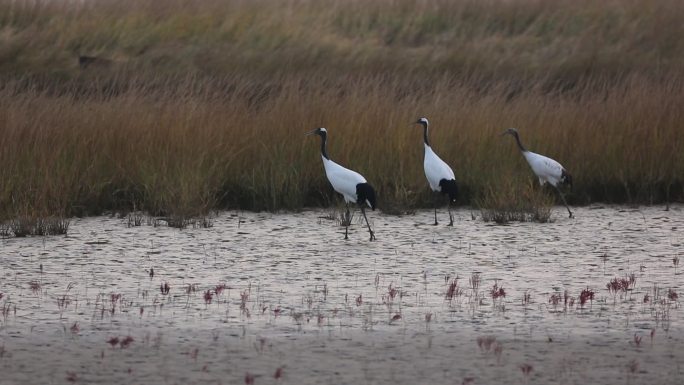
pixel 468 381
pixel 526 369
pixel 165 288
pixel 1 295
pixel 75 328
pixel 220 288
pixel 114 297
pixel 359 300
pixel 672 295
pixel 71 376
pixel 623 284
pixel 34 286
pixel 647 298
pixel 497 292
pixel 126 342
pixel 453 290
pixel 396 317
pixel 555 299
pixel 586 295
pixel 208 296
pixel 675 262
pixel 391 292
pixel 249 378
pixel 113 341
pixel 637 340
pixel 277 311
pixel 278 373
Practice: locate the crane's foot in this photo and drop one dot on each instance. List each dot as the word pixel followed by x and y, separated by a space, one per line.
pixel 372 236
pixel 435 224
pixel 451 223
pixel 571 216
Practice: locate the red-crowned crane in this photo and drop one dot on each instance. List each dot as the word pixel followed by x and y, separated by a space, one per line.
pixel 547 170
pixel 439 175
pixel 352 185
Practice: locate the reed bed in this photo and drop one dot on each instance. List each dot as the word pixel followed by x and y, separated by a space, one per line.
pixel 191 107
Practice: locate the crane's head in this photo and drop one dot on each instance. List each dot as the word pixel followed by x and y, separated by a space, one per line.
pixel 319 131
pixel 510 131
pixel 422 121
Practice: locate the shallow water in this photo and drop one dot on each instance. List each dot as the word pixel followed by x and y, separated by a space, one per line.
pixel 300 298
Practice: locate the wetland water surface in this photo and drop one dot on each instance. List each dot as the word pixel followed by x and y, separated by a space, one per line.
pixel 282 298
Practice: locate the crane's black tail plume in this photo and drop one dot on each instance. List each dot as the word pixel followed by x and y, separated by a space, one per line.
pixel 449 188
pixel 365 195
pixel 566 178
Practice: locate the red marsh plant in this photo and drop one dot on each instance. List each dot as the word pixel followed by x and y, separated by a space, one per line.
pixel 621 285
pixel 165 288
pixel 586 295
pixel 220 288
pixel 675 263
pixel 555 299
pixel 453 290
pixel 126 342
pixel 672 295
pixel 497 292
pixel 208 296
pixel 278 373
pixel 637 340
pixel 359 300
pixel 35 287
pixel 526 369
pixel 113 341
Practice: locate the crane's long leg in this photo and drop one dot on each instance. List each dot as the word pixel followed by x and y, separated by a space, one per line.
pixel 372 234
pixel 347 219
pixel 436 202
pixel 451 217
pixel 564 202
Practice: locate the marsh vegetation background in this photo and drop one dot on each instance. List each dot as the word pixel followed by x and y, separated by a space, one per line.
pixel 189 106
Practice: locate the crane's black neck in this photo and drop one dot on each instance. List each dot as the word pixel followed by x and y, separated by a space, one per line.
pixel 324 140
pixel 425 132
pixel 517 140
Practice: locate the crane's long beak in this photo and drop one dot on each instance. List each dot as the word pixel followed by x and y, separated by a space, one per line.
pixel 312 132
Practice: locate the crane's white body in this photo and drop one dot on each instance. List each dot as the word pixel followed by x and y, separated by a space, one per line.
pixel 350 184
pixel 343 180
pixel 546 169
pixel 436 169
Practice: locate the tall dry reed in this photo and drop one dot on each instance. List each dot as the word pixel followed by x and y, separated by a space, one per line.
pixel 203 105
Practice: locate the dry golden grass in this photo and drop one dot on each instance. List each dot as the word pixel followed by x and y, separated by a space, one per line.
pixel 204 104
